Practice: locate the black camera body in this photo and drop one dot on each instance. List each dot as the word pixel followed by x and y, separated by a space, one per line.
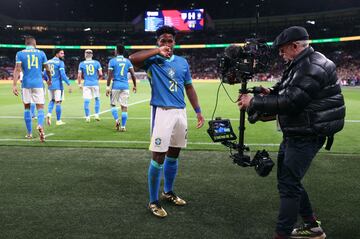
pixel 237 66
pixel 241 62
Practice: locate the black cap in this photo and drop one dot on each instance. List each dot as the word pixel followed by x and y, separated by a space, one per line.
pixel 291 34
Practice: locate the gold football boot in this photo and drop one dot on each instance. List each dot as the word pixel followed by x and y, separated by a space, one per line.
pixel 157 210
pixel 171 197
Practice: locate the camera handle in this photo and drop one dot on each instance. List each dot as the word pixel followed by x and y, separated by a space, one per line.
pixel 240 158
pixel 241 146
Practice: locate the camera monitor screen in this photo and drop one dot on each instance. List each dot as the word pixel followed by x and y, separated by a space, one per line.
pixel 181 20
pixel 221 130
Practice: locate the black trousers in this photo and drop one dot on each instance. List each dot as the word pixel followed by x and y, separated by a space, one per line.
pixel 294 159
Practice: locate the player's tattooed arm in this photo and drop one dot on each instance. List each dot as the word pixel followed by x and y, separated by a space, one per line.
pixel 79 77
pixel 108 81
pixel 16 76
pixel 48 73
pixel 133 77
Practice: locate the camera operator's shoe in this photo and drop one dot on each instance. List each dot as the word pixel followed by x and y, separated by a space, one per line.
pixel 171 197
pixel 308 231
pixel 157 210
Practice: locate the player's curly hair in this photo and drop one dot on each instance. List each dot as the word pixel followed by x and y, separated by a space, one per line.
pixel 57 50
pixel 165 29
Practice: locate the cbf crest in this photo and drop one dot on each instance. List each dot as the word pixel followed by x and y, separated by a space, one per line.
pixel 171 73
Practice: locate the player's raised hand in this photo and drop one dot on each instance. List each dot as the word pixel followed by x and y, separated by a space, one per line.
pixel 200 119
pixel 15 90
pixel 165 51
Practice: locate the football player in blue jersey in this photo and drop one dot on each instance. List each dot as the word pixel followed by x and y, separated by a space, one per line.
pixel 118 69
pixel 169 77
pixel 90 70
pixel 31 62
pixel 56 90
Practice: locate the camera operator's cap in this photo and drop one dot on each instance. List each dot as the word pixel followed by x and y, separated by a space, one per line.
pixel 291 34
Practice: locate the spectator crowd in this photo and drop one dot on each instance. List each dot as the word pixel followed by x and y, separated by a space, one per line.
pixel 204 63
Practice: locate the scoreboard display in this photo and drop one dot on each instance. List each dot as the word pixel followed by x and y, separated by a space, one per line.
pixel 181 20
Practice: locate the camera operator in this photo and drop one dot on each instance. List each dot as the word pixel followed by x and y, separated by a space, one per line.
pixel 310 107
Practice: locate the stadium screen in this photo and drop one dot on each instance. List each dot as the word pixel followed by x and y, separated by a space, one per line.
pixel 181 20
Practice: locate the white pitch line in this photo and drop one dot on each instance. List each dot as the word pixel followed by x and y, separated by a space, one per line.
pixel 137 118
pixel 48 135
pixel 135 103
pixel 121 142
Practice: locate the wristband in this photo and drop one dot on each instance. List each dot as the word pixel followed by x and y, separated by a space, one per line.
pixel 197 110
pixel 107 87
pixel 80 85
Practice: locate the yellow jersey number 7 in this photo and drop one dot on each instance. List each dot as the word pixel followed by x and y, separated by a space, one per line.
pixel 122 65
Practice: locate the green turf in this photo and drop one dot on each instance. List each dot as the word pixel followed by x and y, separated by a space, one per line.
pixel 77 193
pixel 88 181
pixel 76 133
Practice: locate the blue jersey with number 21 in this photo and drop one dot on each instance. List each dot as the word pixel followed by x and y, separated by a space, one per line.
pixel 168 78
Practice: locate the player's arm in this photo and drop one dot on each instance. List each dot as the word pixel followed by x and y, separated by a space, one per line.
pixel 100 73
pixel 64 77
pixel 108 81
pixel 192 96
pixel 47 68
pixel 44 75
pixel 48 74
pixel 16 76
pixel 80 77
pixel 133 77
pixel 138 58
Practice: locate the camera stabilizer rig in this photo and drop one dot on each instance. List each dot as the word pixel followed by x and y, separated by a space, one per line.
pixel 238 66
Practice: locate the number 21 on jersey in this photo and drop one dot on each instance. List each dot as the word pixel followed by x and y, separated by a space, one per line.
pixel 173 86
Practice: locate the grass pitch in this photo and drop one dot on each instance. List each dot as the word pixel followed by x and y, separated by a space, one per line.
pixel 49 192
pixel 89 181
pixel 77 133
